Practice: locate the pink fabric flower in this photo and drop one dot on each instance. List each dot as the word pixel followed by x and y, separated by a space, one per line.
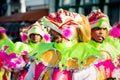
pixel 3 56
pixel 66 33
pixel 115 32
pixel 47 37
pixel 12 60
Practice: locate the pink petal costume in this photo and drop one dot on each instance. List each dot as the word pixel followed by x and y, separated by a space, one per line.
pixel 3 67
pixel 10 62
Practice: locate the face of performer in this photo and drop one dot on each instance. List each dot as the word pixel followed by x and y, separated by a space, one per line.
pixel 98 34
pixel 35 38
pixel 56 37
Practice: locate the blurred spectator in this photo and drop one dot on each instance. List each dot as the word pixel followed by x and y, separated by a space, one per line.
pixel 12 35
pixel 4 9
pixel 22 34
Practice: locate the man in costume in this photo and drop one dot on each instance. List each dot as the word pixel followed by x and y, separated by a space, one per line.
pixel 100 38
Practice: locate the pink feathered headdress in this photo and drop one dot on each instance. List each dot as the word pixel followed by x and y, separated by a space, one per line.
pixel 115 31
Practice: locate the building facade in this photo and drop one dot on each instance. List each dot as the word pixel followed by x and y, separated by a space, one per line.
pixel 9 7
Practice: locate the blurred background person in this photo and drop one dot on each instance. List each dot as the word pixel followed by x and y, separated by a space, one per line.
pixel 22 33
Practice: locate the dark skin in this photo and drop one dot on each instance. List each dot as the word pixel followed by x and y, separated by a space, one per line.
pixel 98 34
pixel 35 38
pixel 55 36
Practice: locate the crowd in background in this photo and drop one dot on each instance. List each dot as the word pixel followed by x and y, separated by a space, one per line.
pixel 62 46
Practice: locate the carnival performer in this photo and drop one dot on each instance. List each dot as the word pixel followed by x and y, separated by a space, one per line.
pixel 22 33
pixel 100 28
pixel 35 35
pixel 69 33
